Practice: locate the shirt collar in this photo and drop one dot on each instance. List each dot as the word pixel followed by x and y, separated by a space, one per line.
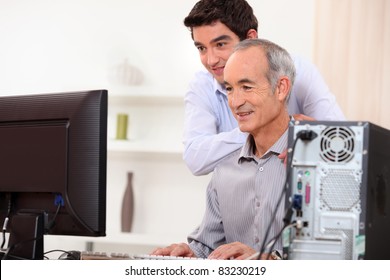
pixel 218 88
pixel 247 151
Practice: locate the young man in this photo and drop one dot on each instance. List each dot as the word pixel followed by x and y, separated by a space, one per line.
pixel 245 187
pixel 210 131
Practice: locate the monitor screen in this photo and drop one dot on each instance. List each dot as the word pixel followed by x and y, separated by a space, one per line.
pixel 53 158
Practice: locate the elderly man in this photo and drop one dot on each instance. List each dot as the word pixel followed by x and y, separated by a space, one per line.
pixel 245 187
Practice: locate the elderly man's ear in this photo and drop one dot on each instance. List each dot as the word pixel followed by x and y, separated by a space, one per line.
pixel 283 87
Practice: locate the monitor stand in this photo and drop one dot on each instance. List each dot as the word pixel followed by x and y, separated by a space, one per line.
pixel 26 235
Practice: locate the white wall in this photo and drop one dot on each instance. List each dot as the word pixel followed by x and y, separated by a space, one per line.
pixel 49 46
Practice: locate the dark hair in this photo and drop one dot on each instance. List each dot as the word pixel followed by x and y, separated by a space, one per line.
pixel 237 15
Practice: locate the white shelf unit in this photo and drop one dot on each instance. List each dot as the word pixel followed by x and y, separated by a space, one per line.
pixel 134 146
pixel 155 122
pixel 169 200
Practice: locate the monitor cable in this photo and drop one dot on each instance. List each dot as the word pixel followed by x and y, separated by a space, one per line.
pixel 59 202
pixel 304 135
pixel 6 220
pixel 269 247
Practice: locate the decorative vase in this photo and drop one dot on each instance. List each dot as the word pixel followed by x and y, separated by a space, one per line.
pixel 128 205
pixel 121 126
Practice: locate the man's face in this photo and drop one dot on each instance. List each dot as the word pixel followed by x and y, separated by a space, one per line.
pixel 215 43
pixel 250 95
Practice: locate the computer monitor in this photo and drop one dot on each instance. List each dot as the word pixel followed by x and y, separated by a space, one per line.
pixel 53 159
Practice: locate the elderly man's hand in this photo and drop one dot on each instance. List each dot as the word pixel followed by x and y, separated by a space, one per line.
pixel 235 250
pixel 177 250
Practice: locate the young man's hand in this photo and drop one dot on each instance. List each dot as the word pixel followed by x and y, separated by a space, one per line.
pixel 298 117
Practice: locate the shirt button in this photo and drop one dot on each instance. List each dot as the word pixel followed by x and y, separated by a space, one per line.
pixel 261 168
pixel 257 240
pixel 257 204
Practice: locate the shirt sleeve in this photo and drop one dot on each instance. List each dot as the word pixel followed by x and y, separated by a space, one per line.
pixel 210 234
pixel 204 145
pixel 311 96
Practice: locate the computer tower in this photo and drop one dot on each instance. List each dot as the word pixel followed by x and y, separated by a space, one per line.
pixel 338 186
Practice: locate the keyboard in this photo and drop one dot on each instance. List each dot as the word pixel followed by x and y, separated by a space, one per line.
pixel 120 256
pixel 156 257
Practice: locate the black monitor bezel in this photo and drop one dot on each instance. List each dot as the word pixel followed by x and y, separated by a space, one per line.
pixel 84 193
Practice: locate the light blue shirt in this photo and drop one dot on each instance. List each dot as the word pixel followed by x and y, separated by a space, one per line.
pixel 241 197
pixel 211 131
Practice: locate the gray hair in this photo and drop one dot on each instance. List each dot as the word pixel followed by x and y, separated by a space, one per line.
pixel 279 61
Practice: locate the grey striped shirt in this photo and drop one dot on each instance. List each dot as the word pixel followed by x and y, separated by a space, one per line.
pixel 241 196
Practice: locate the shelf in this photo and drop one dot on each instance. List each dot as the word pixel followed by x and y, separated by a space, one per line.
pixel 144 96
pixel 156 117
pixel 146 147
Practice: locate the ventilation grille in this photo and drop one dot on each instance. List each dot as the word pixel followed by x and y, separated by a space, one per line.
pixel 347 240
pixel 337 144
pixel 340 190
